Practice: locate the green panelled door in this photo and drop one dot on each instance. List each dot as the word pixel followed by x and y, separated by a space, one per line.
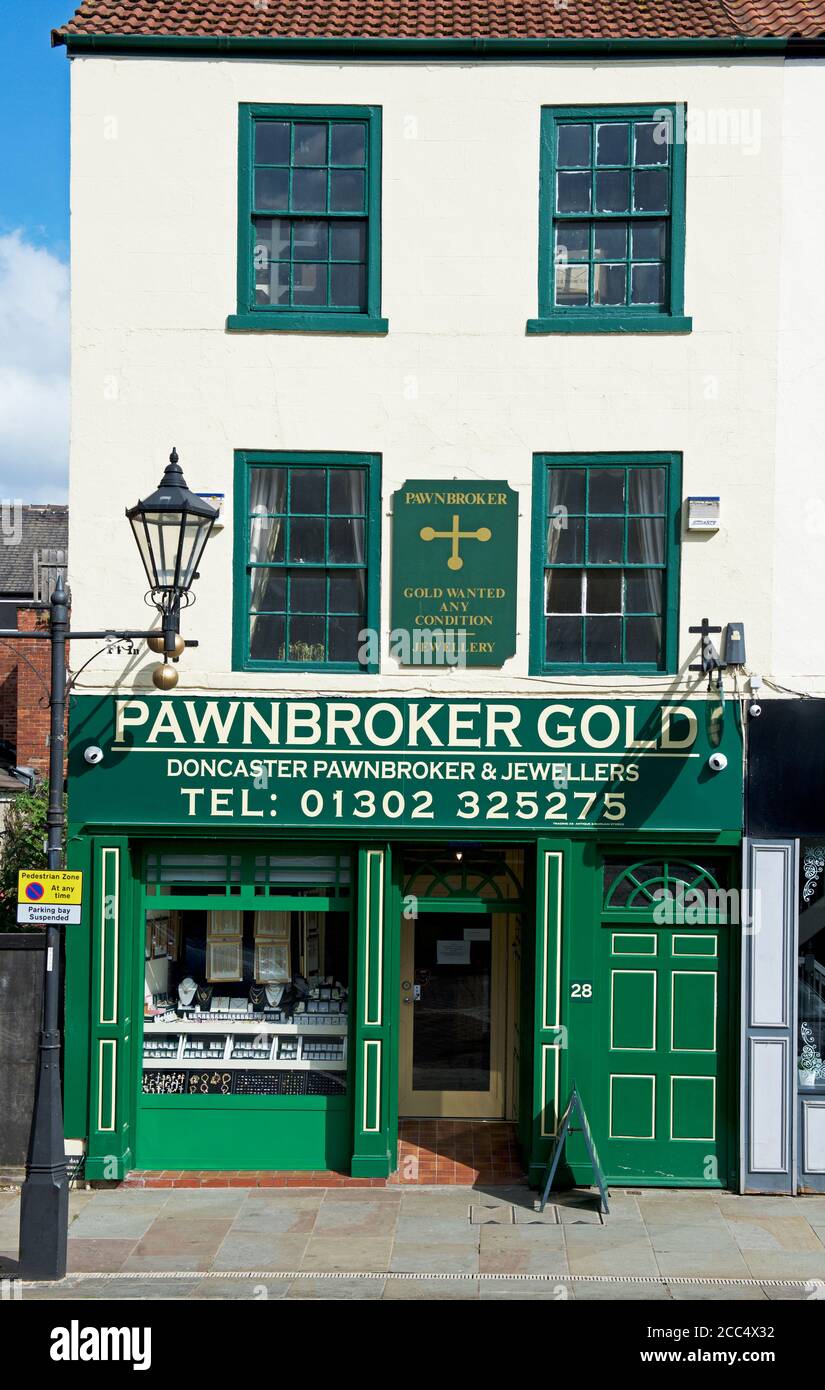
pixel 663 1055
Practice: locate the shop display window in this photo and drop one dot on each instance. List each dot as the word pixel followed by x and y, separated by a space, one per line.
pixel 811 965
pixel 246 1002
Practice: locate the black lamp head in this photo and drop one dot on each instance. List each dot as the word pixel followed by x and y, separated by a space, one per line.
pixel 171 527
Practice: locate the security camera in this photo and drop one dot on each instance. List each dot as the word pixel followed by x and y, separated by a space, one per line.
pixel 717 762
pixel 754 709
pixel 93 754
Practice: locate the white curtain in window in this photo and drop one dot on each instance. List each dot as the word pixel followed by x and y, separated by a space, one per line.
pixel 358 501
pixel 652 542
pixel 266 495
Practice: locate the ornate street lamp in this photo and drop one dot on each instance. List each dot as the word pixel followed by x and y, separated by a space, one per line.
pixel 171 528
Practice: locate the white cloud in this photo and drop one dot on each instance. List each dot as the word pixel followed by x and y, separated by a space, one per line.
pixel 34 372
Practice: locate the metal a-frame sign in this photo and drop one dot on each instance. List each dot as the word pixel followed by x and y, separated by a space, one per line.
pixel 575 1110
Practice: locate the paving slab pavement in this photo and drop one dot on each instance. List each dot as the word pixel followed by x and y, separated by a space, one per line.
pixel 431 1243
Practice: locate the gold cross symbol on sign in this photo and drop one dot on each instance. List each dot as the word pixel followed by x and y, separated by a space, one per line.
pixel 455 561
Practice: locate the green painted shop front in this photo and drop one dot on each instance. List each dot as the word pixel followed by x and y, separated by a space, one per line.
pixel 639 1009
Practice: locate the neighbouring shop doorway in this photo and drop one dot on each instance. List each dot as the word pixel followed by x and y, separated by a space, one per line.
pixel 460 987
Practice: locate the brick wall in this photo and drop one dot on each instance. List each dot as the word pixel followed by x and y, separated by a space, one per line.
pixel 8 696
pixel 24 708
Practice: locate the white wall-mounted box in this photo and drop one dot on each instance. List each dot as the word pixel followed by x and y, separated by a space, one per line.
pixel 216 500
pixel 703 513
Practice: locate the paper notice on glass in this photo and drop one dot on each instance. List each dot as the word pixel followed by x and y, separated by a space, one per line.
pixel 452 953
pixel 476 933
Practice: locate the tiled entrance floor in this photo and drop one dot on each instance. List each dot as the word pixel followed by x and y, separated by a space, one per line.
pixel 466 1152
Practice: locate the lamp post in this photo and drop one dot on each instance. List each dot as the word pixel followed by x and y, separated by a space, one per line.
pixel 171 528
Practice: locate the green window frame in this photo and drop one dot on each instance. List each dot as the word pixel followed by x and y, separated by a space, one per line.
pixel 306 560
pixel 605 563
pixel 309 219
pixel 612 220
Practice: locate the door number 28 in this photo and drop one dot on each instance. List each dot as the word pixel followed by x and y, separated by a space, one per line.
pixel 581 989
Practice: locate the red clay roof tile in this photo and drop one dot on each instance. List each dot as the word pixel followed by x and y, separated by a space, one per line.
pixel 422 19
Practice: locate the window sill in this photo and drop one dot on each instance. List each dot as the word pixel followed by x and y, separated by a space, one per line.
pixel 621 324
pixel 599 669
pixel 262 321
pixel 295 668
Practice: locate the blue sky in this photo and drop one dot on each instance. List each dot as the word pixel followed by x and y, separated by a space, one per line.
pixel 34 251
pixel 34 118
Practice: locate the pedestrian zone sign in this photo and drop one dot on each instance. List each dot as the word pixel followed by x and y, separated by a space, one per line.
pixel 48 897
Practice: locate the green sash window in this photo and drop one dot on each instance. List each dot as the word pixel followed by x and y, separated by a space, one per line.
pixel 309 201
pixel 306 560
pixel 605 573
pixel 612 213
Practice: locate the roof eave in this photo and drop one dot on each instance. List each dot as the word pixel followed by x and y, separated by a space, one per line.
pixel 473 48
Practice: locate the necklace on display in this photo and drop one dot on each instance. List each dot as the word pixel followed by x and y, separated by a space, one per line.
pixel 186 992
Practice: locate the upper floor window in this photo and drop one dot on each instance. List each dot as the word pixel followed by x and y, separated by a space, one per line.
pixel 309 209
pixel 612 220
pixel 307 532
pixel 605 593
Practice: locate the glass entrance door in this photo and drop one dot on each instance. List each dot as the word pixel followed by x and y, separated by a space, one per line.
pixel 453 1011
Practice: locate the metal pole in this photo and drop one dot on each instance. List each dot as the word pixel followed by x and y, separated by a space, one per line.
pixel 44 1206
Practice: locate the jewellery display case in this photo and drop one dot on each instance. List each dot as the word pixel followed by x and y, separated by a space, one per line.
pixel 253 1002
pixel 236 1038
pixel 241 1044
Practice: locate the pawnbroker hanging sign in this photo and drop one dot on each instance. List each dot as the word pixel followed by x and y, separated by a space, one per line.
pixel 524 765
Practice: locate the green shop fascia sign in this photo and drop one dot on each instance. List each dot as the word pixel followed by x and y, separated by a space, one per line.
pixel 360 764
pixel 454 565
